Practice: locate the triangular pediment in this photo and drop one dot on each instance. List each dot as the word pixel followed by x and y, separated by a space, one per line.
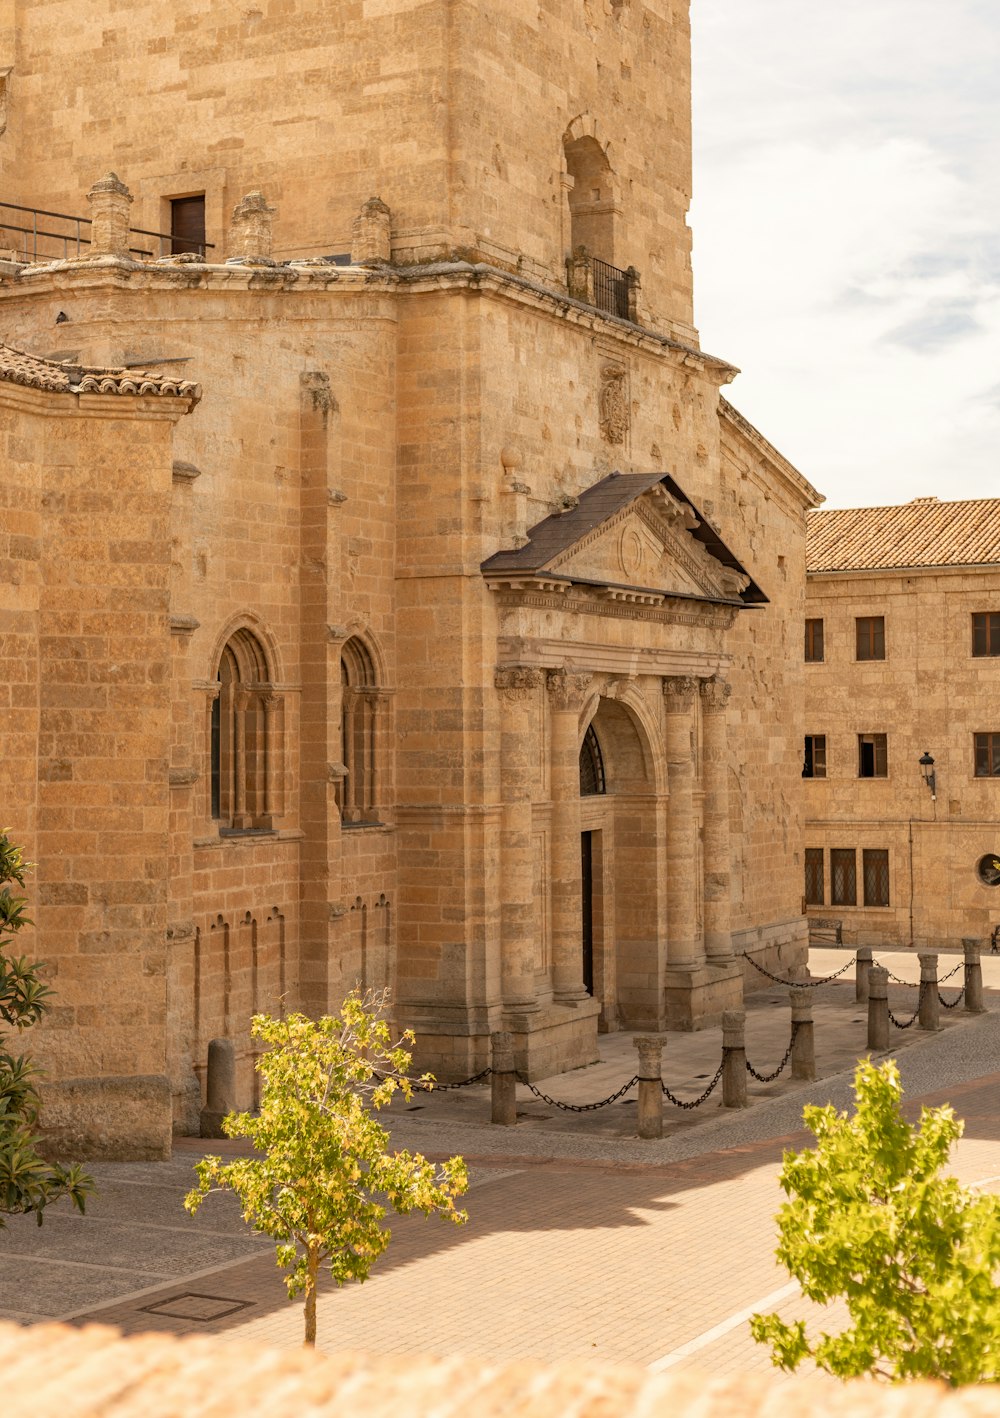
pixel 631 531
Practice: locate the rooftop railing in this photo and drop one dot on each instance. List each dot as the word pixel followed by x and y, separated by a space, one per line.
pixel 37 235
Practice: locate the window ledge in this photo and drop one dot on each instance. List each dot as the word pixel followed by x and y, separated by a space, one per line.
pixel 365 826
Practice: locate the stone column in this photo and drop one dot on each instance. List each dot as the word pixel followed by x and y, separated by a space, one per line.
pixel 503 1080
pixel 567 693
pixel 650 1100
pixel 518 688
pixel 682 948
pixel 973 978
pixel 221 1088
pixel 715 778
pixel 371 235
pixel 734 1059
pixel 878 1009
pixel 250 230
pixel 270 704
pixel 803 1036
pixel 930 1011
pixel 241 700
pixel 110 200
pixel 862 965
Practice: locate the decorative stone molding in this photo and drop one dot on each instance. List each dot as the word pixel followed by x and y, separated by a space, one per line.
pixel 371 243
pixel 335 497
pixel 568 691
pixel 185 472
pixel 679 692
pixel 518 683
pixel 180 930
pixel 250 231
pixel 110 200
pixel 335 772
pixel 715 694
pixel 184 624
pixel 336 911
pixel 613 403
pixel 182 777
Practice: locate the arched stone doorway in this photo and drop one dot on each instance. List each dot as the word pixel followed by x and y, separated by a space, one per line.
pixel 619 876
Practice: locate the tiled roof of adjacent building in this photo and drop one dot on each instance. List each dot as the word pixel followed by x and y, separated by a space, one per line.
pixel 17 367
pixel 924 532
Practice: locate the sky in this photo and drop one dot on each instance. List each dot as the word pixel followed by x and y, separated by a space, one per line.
pixel 846 223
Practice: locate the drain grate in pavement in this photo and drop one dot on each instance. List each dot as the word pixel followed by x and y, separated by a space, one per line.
pixel 191 1306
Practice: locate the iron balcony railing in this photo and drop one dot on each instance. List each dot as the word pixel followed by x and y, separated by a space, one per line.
pixel 35 240
pixel 611 287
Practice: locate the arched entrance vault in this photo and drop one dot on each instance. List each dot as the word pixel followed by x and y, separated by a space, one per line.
pixel 621 857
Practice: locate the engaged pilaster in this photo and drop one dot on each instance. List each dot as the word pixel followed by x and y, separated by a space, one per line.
pixel 567 694
pixel 682 945
pixel 518 688
pixel 715 779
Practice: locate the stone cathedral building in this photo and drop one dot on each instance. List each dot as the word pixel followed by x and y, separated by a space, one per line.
pixel 387 594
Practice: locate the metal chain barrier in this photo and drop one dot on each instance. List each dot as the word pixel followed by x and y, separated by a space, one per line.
pixel 770 1077
pixel 423 1087
pixel 577 1107
pixel 912 1020
pixel 801 984
pixel 954 1003
pixel 694 1102
pixel 958 967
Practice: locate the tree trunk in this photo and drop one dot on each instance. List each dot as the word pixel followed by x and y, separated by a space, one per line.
pixel 312 1261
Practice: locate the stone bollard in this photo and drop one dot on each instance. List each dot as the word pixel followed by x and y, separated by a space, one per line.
pixel 221 1088
pixel 863 963
pixel 734 1059
pixel 650 1048
pixel 803 1037
pixel 930 1005
pixel 250 231
pixel 878 1009
pixel 503 1079
pixel 973 978
pixel 371 237
pixel 110 200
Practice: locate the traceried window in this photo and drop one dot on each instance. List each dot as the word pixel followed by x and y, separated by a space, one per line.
pixel 987 755
pixel 591 766
pixel 814 760
pixel 843 876
pixel 875 871
pixel 870 637
pixel 814 876
pixel 873 760
pixel 986 633
pixel 245 744
pixel 359 724
pixel 814 642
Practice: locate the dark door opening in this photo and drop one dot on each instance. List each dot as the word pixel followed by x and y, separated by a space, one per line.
pixel 587 885
pixel 187 226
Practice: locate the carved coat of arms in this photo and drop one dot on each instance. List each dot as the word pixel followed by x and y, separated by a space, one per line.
pixel 614 403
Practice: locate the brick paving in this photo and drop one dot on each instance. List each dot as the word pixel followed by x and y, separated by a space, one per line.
pixel 581 1243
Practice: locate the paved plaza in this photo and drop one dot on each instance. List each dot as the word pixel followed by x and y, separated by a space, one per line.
pixel 582 1240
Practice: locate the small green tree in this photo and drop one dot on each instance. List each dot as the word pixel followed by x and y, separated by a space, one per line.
pixel 325 1179
pixel 914 1254
pixel 27 1181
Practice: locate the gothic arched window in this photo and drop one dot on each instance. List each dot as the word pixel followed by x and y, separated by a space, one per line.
pixel 358 732
pixel 244 746
pixel 591 766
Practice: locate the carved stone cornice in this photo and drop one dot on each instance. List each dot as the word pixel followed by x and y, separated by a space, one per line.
pixel 678 693
pixel 518 683
pixel 568 691
pixel 715 694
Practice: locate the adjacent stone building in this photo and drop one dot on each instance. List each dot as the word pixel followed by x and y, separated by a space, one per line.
pixel 475 669
pixel 902 746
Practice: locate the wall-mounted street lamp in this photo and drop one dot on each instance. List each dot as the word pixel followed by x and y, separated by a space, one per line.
pixel 927 768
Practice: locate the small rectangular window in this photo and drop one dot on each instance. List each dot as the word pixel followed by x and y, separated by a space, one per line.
pixel 843 877
pixel 875 870
pixel 814 876
pixel 187 225
pixel 873 759
pixel 814 762
pixel 986 633
pixel 814 641
pixel 987 751
pixel 870 637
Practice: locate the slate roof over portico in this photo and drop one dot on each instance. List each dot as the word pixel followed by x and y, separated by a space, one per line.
pixel 557 533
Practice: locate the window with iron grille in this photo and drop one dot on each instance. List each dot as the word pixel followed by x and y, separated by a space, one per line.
pixel 814 642
pixel 843 877
pixel 814 876
pixel 875 869
pixel 870 637
pixel 872 756
pixel 814 761
pixel 591 766
pixel 986 633
pixel 987 749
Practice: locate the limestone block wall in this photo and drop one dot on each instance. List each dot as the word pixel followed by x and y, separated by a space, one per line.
pixel 85 618
pixel 929 694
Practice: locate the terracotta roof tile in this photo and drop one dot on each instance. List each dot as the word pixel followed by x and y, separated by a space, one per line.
pixel 924 532
pixel 17 367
